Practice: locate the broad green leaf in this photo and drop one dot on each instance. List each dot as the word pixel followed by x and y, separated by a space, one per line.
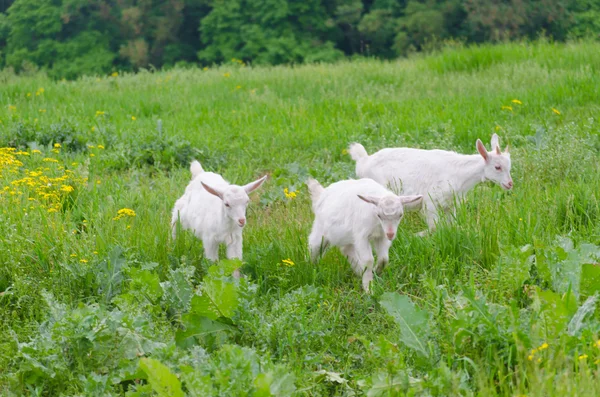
pixel 576 323
pixel 148 283
pixel 590 279
pixel 196 326
pixel 556 311
pixel 413 321
pixel 222 294
pixel 160 377
pixel 202 305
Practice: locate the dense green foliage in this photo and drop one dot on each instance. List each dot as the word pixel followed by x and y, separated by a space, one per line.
pixel 96 299
pixel 69 38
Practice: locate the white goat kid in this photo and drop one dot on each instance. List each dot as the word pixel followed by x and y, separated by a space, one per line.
pixel 440 176
pixel 214 210
pixel 353 214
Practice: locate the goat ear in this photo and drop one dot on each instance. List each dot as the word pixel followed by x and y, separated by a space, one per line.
pixel 252 186
pixel 482 150
pixel 495 141
pixel 411 199
pixel 212 190
pixel 369 199
pixel 507 150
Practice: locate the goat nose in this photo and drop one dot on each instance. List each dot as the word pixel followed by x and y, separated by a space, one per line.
pixel 390 235
pixel 242 221
pixel 510 184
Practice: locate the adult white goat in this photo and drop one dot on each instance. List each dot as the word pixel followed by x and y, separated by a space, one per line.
pixel 439 175
pixel 353 214
pixel 214 210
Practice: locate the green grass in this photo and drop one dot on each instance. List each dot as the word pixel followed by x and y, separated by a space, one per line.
pixel 83 297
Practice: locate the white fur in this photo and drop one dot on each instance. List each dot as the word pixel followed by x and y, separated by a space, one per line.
pixel 352 215
pixel 439 175
pixel 214 210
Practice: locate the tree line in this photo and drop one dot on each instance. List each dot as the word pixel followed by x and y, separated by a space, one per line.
pixel 68 38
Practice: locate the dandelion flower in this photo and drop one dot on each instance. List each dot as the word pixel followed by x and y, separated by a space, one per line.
pixel 100 113
pixel 83 260
pixel 115 74
pixel 100 146
pixel 583 357
pixel 598 343
pixel 288 194
pixel 133 118
pixel 73 255
pixel 205 68
pixel 57 145
pixel 555 111
pixel 517 102
pixel 123 212
pixel 227 74
pixel 92 155
pixel 50 160
pixel 543 346
pixel 507 108
pixel 288 262
pixel 28 94
pixel 67 188
pixel 237 87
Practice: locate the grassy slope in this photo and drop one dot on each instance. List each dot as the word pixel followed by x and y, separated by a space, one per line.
pixel 291 122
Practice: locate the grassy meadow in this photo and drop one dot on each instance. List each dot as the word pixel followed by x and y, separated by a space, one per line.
pixel 97 300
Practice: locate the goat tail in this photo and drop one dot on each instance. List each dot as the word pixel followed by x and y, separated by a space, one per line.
pixel 315 189
pixel 196 169
pixel 357 151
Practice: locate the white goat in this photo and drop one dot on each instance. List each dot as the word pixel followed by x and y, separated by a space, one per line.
pixel 353 214
pixel 214 210
pixel 438 175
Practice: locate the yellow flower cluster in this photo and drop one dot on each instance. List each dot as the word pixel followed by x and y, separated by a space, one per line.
pixel 288 262
pixel 288 194
pixel 543 347
pixel 122 213
pixel 40 91
pixel 46 186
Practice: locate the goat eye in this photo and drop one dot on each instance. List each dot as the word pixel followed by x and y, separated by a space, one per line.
pixel 227 205
pixel 498 168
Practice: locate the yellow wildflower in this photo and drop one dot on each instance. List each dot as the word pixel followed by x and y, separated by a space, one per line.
pixel 583 357
pixel 50 160
pixel 530 357
pixel 598 343
pixel 133 118
pixel 288 194
pixel 555 111
pixel 92 155
pixel 507 108
pixel 42 110
pixel 227 74
pixel 28 94
pixel 100 146
pixel 205 68
pixel 12 108
pixel 288 262
pixel 123 212
pixel 57 145
pixel 52 210
pixel 73 255
pixel 83 260
pixel 93 129
pixel 91 147
pixel 497 128
pixel 344 152
pixel 517 102
pixel 115 74
pixel 95 252
pixel 100 113
pixel 237 87
pixel 55 151
pixel 543 346
pixel 67 188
